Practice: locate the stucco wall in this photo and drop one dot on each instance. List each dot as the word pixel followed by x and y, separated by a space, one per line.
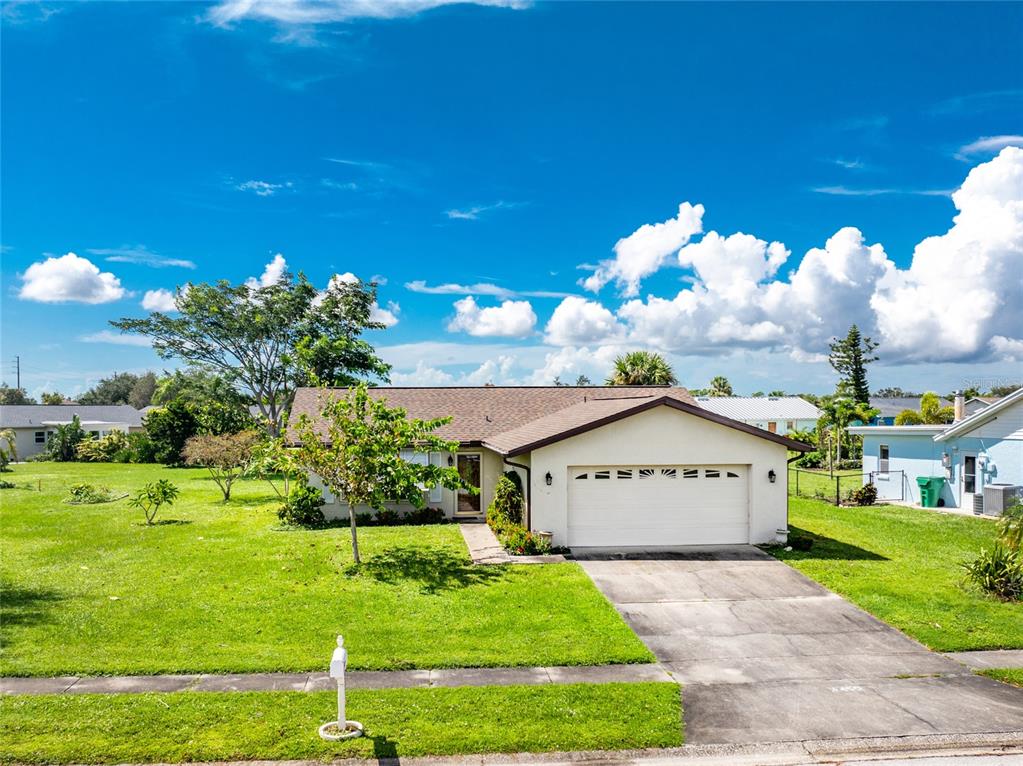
pixel 913 454
pixel 492 469
pixel 662 436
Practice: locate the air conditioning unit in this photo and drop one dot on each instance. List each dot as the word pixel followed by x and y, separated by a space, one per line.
pixel 999 497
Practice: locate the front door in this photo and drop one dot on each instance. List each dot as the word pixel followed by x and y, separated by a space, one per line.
pixel 968 482
pixel 470 466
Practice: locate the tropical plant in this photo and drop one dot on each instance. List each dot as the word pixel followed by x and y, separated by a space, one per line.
pixel 270 339
pixel 507 500
pixel 999 571
pixel 865 495
pixel 303 506
pixel 152 497
pixel 849 356
pixel 274 462
pixel 169 427
pixel 931 412
pixel 719 386
pixel 225 456
pixel 9 395
pixel 103 449
pixel 357 453
pixel 8 448
pixel 641 368
pixel 909 418
pixel 51 397
pixel 837 413
pixel 1010 527
pixel 62 445
pixel 88 494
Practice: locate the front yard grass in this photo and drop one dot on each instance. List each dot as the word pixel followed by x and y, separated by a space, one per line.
pixel 212 588
pixel 902 565
pixel 1012 676
pixel 207 726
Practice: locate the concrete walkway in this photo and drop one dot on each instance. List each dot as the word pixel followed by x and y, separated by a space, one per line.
pixel 484 547
pixel 768 655
pixel 1000 658
pixel 357 679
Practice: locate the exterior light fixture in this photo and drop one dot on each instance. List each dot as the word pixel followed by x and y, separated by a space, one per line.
pixel 549 479
pixel 772 476
pixel 451 460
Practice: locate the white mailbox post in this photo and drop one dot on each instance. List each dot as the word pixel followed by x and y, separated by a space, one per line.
pixel 342 728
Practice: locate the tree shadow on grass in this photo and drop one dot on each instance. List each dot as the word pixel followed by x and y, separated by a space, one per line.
pixel 22 605
pixel 808 545
pixel 433 570
pixel 163 523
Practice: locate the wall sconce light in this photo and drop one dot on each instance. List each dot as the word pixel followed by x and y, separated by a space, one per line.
pixel 451 460
pixel 549 479
pixel 772 476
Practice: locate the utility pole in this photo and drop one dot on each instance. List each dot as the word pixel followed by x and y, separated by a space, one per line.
pixel 17 370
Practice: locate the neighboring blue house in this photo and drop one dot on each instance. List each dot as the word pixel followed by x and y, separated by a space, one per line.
pixel 985 448
pixel 890 407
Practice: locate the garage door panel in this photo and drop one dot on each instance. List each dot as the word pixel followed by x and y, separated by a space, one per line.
pixel 658 505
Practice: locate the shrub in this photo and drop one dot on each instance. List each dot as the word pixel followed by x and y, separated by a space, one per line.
pixel 810 460
pixel 88 494
pixel 426 516
pixel 7 485
pixel 1010 527
pixel 998 571
pixel 514 478
pixel 225 456
pixel 386 518
pixel 303 507
pixel 169 428
pixel 520 541
pixel 865 495
pixel 63 444
pixel 151 497
pixel 104 449
pixel 140 448
pixel 507 500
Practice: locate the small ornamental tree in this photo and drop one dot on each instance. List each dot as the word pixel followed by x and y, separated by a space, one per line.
pixel 152 496
pixel 356 450
pixel 225 456
pixel 62 446
pixel 275 462
pixel 8 447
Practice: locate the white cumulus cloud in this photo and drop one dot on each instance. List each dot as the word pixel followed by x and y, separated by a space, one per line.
pixel 577 321
pixel 645 250
pixel 512 319
pixel 69 279
pixel 271 275
pixel 159 300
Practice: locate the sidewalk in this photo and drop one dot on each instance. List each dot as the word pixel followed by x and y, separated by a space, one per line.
pixel 485 549
pixel 999 658
pixel 357 679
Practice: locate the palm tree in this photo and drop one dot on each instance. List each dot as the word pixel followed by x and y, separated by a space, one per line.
pixel 837 413
pixel 9 453
pixel 641 368
pixel 719 386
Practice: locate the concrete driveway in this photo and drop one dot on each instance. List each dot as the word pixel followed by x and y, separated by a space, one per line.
pixel 768 655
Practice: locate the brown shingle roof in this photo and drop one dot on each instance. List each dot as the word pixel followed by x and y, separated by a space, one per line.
pixel 513 420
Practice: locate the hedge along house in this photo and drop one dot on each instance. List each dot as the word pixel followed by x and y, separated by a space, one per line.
pixel 602 466
pixel 981 450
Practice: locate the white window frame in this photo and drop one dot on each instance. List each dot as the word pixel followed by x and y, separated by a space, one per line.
pixel 39 437
pixel 884 453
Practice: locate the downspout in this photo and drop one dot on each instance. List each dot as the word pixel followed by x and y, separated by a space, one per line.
pixel 529 489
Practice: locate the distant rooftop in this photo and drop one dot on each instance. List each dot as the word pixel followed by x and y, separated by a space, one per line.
pixel 760 407
pixel 890 406
pixel 31 415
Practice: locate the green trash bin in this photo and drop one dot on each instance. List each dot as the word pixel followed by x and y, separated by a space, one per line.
pixel 930 490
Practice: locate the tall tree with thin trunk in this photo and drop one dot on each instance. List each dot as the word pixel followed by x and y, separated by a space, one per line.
pixel 641 368
pixel 356 446
pixel 270 339
pixel 849 357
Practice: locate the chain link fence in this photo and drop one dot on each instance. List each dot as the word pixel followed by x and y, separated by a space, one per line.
pixel 836 487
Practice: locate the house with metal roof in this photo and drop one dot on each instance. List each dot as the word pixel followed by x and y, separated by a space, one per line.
pixel 33 424
pixel 777 414
pixel 975 461
pixel 601 466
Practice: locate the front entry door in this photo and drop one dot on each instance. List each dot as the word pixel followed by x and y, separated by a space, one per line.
pixel 968 482
pixel 470 466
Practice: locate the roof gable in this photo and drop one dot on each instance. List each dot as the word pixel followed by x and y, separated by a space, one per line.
pixel 981 417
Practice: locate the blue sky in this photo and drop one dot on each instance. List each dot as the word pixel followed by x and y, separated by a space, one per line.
pixel 504 151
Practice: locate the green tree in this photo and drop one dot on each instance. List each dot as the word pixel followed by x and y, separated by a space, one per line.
pixel 909 418
pixel 931 410
pixel 641 368
pixel 582 380
pixel 1001 391
pixel 52 397
pixel 169 427
pixel 894 392
pixel 719 386
pixel 62 445
pixel 356 450
pixel 115 389
pixel 141 394
pixel 838 412
pixel 8 448
pixel 269 340
pixel 10 395
pixel 777 392
pixel 197 386
pixel 849 357
pixel 150 498
pixel 225 456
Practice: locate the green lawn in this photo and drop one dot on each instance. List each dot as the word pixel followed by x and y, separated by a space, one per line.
pixel 1012 676
pixel 219 588
pixel 813 483
pixel 204 726
pixel 902 565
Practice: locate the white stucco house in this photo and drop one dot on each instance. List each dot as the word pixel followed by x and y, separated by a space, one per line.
pixel 603 466
pixel 777 414
pixel 975 456
pixel 33 424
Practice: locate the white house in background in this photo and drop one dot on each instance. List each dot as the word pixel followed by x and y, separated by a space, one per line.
pixel 972 453
pixel 603 466
pixel 777 414
pixel 977 403
pixel 33 424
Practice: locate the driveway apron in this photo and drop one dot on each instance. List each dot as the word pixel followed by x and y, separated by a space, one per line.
pixel 768 655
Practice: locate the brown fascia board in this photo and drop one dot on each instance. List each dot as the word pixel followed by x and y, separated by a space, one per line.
pixel 668 401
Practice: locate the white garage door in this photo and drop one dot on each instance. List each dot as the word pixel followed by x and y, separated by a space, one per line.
pixel 658 505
